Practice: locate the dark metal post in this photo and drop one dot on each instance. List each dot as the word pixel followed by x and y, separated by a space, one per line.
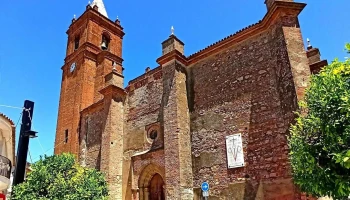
pixel 23 142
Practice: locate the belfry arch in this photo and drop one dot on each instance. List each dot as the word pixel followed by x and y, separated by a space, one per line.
pixel 148 175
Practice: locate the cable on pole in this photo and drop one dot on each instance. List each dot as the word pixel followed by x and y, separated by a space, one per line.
pixel 15 107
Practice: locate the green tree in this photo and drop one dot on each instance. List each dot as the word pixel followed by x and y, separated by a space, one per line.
pixel 59 177
pixel 320 138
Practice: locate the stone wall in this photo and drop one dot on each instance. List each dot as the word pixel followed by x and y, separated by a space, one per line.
pixel 143 111
pixel 246 88
pixel 247 83
pixel 91 127
pixel 239 90
pixel 145 166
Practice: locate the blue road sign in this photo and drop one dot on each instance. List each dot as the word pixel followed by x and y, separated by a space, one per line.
pixel 205 186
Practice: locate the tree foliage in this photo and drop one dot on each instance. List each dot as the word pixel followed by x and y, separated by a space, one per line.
pixel 320 138
pixel 59 177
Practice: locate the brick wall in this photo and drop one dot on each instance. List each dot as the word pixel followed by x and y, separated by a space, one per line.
pixel 80 89
pixel 248 83
pixel 177 138
pixel 145 166
pixel 143 109
pixel 238 91
pixel 76 94
pixel 143 104
pixel 92 122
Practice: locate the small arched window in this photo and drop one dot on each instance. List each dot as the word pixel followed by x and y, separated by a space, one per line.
pixel 76 42
pixel 105 41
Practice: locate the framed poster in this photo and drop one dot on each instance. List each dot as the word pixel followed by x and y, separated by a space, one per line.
pixel 234 149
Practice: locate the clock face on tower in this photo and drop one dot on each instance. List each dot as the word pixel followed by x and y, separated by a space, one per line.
pixel 72 67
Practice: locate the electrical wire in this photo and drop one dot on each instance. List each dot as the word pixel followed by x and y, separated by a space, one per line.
pixel 52 148
pixel 30 156
pixel 44 152
pixel 15 107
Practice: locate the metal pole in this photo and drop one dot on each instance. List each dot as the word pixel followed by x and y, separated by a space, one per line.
pixel 23 142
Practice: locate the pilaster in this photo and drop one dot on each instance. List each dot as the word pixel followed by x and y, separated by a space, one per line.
pixel 112 135
pixel 314 57
pixel 287 23
pixel 177 140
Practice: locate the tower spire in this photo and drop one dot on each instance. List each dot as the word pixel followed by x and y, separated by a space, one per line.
pixel 101 7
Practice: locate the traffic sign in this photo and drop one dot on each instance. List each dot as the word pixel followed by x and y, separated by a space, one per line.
pixel 205 186
pixel 205 193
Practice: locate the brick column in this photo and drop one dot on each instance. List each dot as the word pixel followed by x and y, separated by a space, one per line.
pixel 295 48
pixel 177 139
pixel 112 135
pixel 292 77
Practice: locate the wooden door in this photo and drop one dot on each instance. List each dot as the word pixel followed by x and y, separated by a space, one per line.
pixel 156 188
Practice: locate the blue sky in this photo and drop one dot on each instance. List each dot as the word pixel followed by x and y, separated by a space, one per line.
pixel 33 42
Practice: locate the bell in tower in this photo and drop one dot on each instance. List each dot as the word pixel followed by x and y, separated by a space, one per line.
pixel 104 45
pixel 91 53
pixel 105 42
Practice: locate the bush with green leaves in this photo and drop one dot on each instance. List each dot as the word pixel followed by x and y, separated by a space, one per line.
pixel 59 177
pixel 320 138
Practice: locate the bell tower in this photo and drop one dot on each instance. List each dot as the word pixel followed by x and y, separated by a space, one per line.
pixel 94 48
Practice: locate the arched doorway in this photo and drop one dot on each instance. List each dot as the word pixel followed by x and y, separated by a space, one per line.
pixel 151 183
pixel 156 190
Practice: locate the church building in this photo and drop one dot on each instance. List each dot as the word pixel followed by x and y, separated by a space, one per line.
pixel 220 115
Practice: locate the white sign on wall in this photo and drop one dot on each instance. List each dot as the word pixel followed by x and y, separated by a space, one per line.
pixel 234 149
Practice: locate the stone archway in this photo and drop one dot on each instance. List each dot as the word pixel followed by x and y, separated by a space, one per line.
pixel 148 173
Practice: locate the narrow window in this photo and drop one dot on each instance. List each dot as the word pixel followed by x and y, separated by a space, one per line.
pixel 105 42
pixel 76 42
pixel 66 136
pixel 87 131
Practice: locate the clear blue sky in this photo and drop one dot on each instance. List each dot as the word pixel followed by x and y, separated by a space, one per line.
pixel 33 42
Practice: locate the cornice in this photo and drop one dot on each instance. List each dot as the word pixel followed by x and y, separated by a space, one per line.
pixel 317 66
pixel 84 47
pixel 141 77
pixel 247 32
pixel 173 37
pixel 110 56
pixel 91 14
pixel 113 90
pixel 312 52
pixel 92 54
pixel 173 55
